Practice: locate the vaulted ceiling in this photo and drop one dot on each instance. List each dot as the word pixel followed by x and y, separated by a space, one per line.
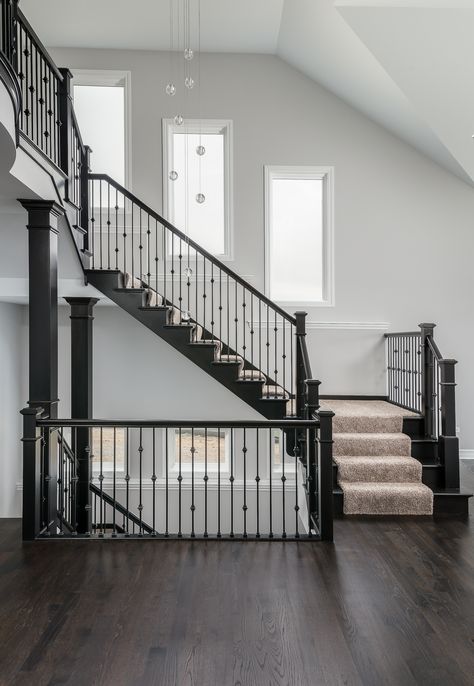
pixel 406 64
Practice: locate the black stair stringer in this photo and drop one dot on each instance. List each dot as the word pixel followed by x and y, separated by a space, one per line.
pixel 179 336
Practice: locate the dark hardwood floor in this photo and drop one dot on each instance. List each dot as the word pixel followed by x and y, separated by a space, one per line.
pixel 391 602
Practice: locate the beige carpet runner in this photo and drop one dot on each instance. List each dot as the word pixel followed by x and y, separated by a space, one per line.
pixel 376 472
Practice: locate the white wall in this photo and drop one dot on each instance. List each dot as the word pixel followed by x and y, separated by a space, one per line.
pixel 137 375
pixel 13 363
pixel 404 240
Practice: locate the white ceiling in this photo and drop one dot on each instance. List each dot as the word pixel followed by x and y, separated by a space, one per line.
pixel 406 64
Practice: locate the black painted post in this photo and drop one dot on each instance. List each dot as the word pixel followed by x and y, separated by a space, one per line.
pixel 427 363
pixel 448 441
pixel 300 370
pixel 81 401
pixel 311 406
pixel 65 105
pixel 43 218
pixel 85 170
pixel 312 397
pixel 326 506
pixel 32 501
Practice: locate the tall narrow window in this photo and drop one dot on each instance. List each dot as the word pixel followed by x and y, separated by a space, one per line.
pixel 188 174
pixel 101 106
pixel 298 231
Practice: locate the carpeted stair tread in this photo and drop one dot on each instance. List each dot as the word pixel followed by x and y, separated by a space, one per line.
pixel 367 444
pixel 389 468
pixel 387 498
pixel 366 416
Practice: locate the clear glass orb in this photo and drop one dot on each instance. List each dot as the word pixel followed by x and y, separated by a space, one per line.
pixel 200 198
pixel 178 120
pixel 185 316
pixel 189 82
pixel 173 175
pixel 201 150
pixel 188 271
pixel 188 54
pixel 170 89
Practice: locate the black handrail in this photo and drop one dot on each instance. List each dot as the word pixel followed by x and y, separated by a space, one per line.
pixel 195 246
pixel 183 424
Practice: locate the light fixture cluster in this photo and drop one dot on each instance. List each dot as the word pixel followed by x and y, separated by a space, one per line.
pixel 183 10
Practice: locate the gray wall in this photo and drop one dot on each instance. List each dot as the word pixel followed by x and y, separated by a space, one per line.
pixel 404 240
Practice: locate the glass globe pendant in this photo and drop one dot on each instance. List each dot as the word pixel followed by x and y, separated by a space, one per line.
pixel 173 175
pixel 189 82
pixel 178 120
pixel 200 198
pixel 170 89
pixel 188 272
pixel 188 54
pixel 200 150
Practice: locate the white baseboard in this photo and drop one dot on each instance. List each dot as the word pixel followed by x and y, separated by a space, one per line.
pixel 466 454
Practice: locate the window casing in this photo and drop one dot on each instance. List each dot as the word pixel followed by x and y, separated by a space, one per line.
pixel 299 228
pixel 209 224
pixel 102 101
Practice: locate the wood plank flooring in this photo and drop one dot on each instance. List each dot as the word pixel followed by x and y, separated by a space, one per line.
pixel 391 602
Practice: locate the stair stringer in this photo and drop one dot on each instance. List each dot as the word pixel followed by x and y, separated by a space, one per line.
pixel 179 337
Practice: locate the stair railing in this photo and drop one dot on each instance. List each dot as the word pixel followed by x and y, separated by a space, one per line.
pixel 8 20
pixel 176 479
pixel 419 379
pixel 128 236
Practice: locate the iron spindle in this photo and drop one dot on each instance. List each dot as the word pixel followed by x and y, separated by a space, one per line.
pixel 270 474
pixel 283 480
pixel 140 479
pixel 231 479
pixel 218 483
pixel 114 478
pixel 153 480
pixel 244 507
pixel 193 507
pixel 127 474
pixel 206 479
pixel 180 479
pixel 257 488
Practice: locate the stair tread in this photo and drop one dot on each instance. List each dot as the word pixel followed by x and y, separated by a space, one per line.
pixel 129 290
pixel 393 498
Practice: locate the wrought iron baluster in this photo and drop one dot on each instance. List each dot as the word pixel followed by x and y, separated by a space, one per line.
pixel 283 481
pixel 153 480
pixel 140 480
pixel 166 485
pixel 116 231
pixel 231 479
pixel 114 485
pixel 257 481
pixel 270 475
pixel 127 475
pixel 193 506
pixel 244 507
pixel 296 451
pixel 206 479
pixel 218 483
pixel 108 227
pixel 180 479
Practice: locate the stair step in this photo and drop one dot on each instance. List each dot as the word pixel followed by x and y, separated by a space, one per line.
pixel 129 290
pixel 252 375
pixel 366 498
pixel 389 468
pixel 368 444
pixel 366 416
pixel 273 391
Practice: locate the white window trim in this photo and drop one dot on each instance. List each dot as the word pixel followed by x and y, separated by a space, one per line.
pixel 112 77
pixel 326 174
pixel 196 126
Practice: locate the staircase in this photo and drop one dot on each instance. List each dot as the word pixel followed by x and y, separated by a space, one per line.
pixel 397 456
pixel 375 470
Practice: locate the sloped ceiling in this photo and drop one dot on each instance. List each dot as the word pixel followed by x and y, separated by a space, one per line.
pixel 406 64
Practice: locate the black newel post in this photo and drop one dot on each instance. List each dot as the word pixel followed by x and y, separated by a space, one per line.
pixel 81 401
pixel 32 518
pixel 428 389
pixel 448 441
pixel 65 104
pixel 43 218
pixel 310 407
pixel 300 369
pixel 326 507
pixel 312 397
